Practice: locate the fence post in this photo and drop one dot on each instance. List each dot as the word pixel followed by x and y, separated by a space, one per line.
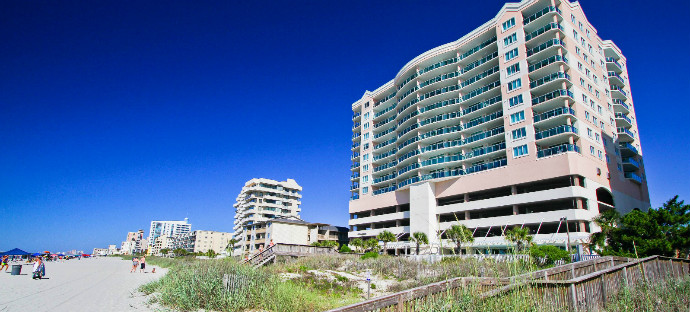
pixel 572 270
pixel 400 303
pixel 625 276
pixel 603 288
pixel 573 296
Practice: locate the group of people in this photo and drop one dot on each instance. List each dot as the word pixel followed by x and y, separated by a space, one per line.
pixel 39 269
pixel 141 264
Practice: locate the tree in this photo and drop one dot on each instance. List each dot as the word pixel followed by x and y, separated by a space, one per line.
pixel 520 237
pixel 663 231
pixel 180 252
pixel 607 222
pixel 211 253
pixel 386 237
pixel 371 244
pixel 231 244
pixel 358 243
pixel 459 234
pixel 345 249
pixel 332 244
pixel 419 238
pixel 165 251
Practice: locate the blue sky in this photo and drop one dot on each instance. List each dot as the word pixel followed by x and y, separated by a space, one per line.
pixel 117 113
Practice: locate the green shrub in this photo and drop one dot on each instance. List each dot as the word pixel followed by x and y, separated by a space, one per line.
pixel 370 255
pixel 345 249
pixel 550 254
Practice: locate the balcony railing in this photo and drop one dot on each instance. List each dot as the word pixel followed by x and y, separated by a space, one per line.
pixel 438 105
pixel 541 13
pixel 388 109
pixel 439 78
pixel 619 89
pixel 632 161
pixel 628 146
pixel 481 90
pixel 408 181
pixel 614 61
pixel 633 176
pixel 544 46
pixel 542 30
pixel 390 130
pixel 479 62
pixel 408 168
pixel 481 105
pixel 354 197
pixel 355 115
pixel 385 154
pixel 385 190
pixel 621 103
pixel 560 149
pixel 477 48
pixel 386 166
pixel 439 64
pixel 552 95
pixel 614 74
pixel 548 78
pixel 625 131
pixel 384 143
pixel 555 131
pixel 385 178
pixel 484 119
pixel 623 116
pixel 484 74
pixel 554 113
pixel 547 61
pixel 390 96
pixel 383 122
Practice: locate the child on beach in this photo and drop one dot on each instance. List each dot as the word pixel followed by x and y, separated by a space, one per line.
pixel 5 263
pixel 142 261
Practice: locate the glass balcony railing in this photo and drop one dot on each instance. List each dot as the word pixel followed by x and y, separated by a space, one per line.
pixel 438 65
pixel 355 115
pixel 542 30
pixel 355 176
pixel 633 176
pixel 407 80
pixel 628 146
pixel 408 142
pixel 408 129
pixel 621 103
pixel 385 190
pixel 484 119
pixel 356 135
pixel 408 182
pixel 439 78
pixel 438 105
pixel 479 62
pixel 614 61
pixel 624 117
pixel 388 109
pixel 541 13
pixel 408 155
pixel 481 90
pixel 631 161
pixel 408 92
pixel 625 131
pixel 439 131
pixel 406 106
pixel 560 149
pixel 553 113
pixel 385 178
pixel 485 150
pixel 384 143
pixel 441 145
pixel 386 166
pixel 388 97
pixel 436 92
pixel 487 166
pixel 551 96
pixel 354 197
pixel 477 48
pixel 357 124
pixel 548 78
pixel 484 74
pixel 555 131
pixel 484 135
pixel 440 117
pixel 385 154
pixel 619 89
pixel 547 61
pixel 544 46
pixel 385 121
pixel 390 130
pixel 356 145
pixel 614 74
pixel 408 168
pixel 406 118
pixel 355 165
pixel 354 187
pixel 355 155
pixel 481 105
pixel 441 160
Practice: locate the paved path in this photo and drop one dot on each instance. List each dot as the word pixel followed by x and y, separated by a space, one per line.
pixel 100 284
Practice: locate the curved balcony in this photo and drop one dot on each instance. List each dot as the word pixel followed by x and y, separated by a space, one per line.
pixel 402 171
pixel 384 143
pixel 385 99
pixel 436 81
pixel 485 74
pixel 441 91
pixel 482 90
pixel 441 106
pixel 471 52
pixel 355 146
pixel 559 149
pixel 550 64
pixel 385 135
pixel 408 181
pixel 386 111
pixel 356 116
pixel 552 99
pixel 546 119
pixel 384 155
pixel 489 151
pixel 437 65
pixel 356 136
pixel 407 143
pixel 543 13
pixel 411 155
pixel 441 120
pixel 407 117
pixel 482 120
pixel 407 80
pixel 542 82
pixel 549 45
pixel 476 109
pixel 409 104
pixel 356 125
pixel 383 122
pixel 555 133
pixel 408 130
pixel 483 137
pixel 354 166
pixel 545 29
pixel 384 178
pixel 627 149
pixel 439 134
pixel 440 148
pixel 386 166
pixel 480 63
pixel 619 106
pixel 385 189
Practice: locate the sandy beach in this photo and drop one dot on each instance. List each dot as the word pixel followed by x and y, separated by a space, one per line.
pixel 99 284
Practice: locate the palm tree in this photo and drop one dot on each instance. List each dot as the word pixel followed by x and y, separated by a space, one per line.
pixel 371 244
pixel 386 237
pixel 419 238
pixel 231 245
pixel 607 222
pixel 519 236
pixel 357 243
pixel 459 234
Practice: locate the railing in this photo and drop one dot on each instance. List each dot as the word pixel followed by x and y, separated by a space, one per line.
pixel 385 154
pixel 386 166
pixel 551 96
pixel 542 30
pixel 390 130
pixel 553 113
pixel 383 122
pixel 555 131
pixel 623 116
pixel 479 62
pixel 477 48
pixel 631 161
pixel 625 131
pixel 621 103
pixel 483 75
pixel 564 148
pixel 614 61
pixel 439 78
pixel 390 96
pixel 481 90
pixel 355 115
pixel 548 78
pixel 388 109
pixel 614 74
pixel 581 286
pixel 547 61
pixel 633 176
pixel 438 105
pixel 619 89
pixel 481 105
pixel 541 13
pixel 544 46
pixel 385 190
pixel 628 146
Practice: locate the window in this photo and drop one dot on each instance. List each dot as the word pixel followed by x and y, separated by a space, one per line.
pixel 512 69
pixel 577 50
pixel 584 99
pixel 587 115
pixel 365 136
pixel 580 26
pixel 575 35
pixel 582 82
pixel 366 116
pixel 601 155
pixel 582 42
pixel 586 58
pixel 519 133
pixel 366 126
pixel 579 66
pixel 516 100
pixel 365 157
pixel 515 84
pixel 587 31
pixel 519 151
pixel 597 137
pixel 591 150
pixel 596 92
pixel 365 190
pixel 589 132
pixel 601 124
pixel 594 120
pixel 587 72
pixel 599 109
pixel 366 145
pixel 511 54
pixel 589 88
pixel 365 179
pixel 509 40
pixel 517 117
pixel 607 159
pixel 366 104
pixel 365 167
pixel 572 18
pixel 508 24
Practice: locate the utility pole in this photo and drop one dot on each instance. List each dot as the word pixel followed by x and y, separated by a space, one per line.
pixel 567 229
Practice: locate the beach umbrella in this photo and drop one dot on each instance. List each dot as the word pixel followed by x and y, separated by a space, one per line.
pixel 36 254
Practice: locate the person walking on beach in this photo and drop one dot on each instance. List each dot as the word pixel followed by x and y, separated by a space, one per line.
pixel 5 263
pixel 142 261
pixel 135 263
pixel 39 269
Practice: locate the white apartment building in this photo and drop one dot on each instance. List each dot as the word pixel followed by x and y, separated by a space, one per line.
pixel 526 121
pixel 134 243
pixel 262 200
pixel 168 229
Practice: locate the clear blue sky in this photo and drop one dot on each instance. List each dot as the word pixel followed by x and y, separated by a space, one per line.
pixel 116 113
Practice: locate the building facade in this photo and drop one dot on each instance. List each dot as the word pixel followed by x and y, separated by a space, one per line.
pixel 134 243
pixel 168 229
pixel 526 121
pixel 203 241
pixel 262 200
pixel 290 231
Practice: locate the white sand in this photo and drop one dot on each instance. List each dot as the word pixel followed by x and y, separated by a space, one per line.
pixel 100 284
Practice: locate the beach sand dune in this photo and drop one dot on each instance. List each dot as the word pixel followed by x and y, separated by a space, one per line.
pixel 99 284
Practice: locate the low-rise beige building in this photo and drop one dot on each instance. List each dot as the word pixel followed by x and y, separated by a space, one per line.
pixel 203 241
pixel 290 231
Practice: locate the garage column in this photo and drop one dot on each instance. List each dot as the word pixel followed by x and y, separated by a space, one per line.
pixel 423 210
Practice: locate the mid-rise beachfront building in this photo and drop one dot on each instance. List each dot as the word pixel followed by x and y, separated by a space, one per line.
pixel 134 243
pixel 290 231
pixel 168 229
pixel 526 121
pixel 262 200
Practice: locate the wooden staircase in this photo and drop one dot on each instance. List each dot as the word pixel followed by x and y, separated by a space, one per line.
pixel 272 252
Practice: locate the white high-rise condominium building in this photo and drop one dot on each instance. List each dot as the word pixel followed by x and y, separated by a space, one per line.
pixel 168 229
pixel 265 199
pixel 526 121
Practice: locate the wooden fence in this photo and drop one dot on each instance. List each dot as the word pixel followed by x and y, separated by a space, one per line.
pixel 581 286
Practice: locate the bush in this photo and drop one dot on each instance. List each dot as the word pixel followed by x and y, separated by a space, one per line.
pixel 370 255
pixel 548 254
pixel 345 249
